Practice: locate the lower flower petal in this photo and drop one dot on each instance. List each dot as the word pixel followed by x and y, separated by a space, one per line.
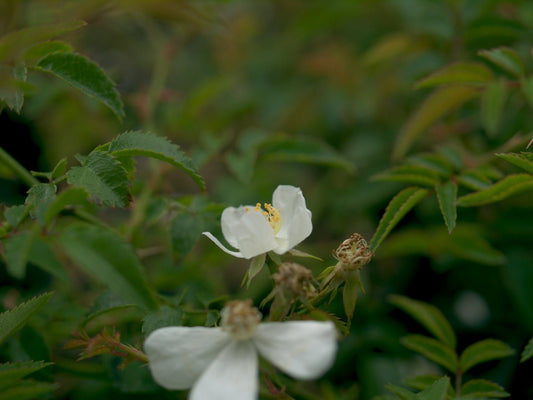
pixel 231 376
pixel 302 349
pixel 178 355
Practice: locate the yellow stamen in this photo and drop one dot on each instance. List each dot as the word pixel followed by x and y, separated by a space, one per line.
pixel 272 215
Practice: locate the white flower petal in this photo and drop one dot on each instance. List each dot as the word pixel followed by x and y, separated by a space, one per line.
pixel 178 355
pixel 248 231
pixel 231 376
pixel 302 349
pixel 296 218
pixel 224 248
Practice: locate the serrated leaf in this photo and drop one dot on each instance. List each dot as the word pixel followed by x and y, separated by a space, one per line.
pixel 432 349
pixel 16 252
pixel 412 174
pixel 304 151
pixel 18 370
pixel 400 205
pixel 108 258
pixel 40 50
pixel 422 382
pixel 14 319
pixel 86 76
pixel 429 316
pixel 527 353
pixel 39 198
pixel 447 195
pixel 136 143
pixel 508 186
pixel 13 82
pixel 437 391
pixel 482 351
pixel 28 390
pixel 165 316
pixel 464 72
pixel 185 230
pixel 483 388
pixel 520 160
pixel 437 105
pixel 42 255
pixel 103 177
pixel 14 43
pixel 492 102
pixel 506 58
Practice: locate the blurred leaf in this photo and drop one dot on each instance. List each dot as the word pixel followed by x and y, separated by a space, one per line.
pixel 434 162
pixel 68 197
pixel 432 349
pixel 16 252
pixel 389 48
pixel 527 89
pixel 16 42
pixel 165 316
pixel 108 258
pixel 506 58
pixel 438 104
pixel 42 255
pixel 447 194
pixel 256 265
pixel 14 319
pixel 508 186
pixel 527 353
pixel 304 151
pixel 429 316
pixel 137 143
pixel 412 174
pixel 40 50
pixel 483 388
pixel 185 229
pixel 474 180
pixel 466 73
pixel 15 214
pixel 12 88
pixel 86 76
pixel 40 196
pixel 28 390
pixel 242 165
pixel 492 102
pixel 520 160
pixel 421 382
pixel 482 351
pixel 437 391
pixel 108 302
pixel 400 205
pixel 104 178
pixel 402 393
pixel 10 372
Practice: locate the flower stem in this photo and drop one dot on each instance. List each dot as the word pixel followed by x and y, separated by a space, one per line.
pixel 22 173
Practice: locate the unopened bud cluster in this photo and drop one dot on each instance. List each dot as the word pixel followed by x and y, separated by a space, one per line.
pixel 240 319
pixel 295 279
pixel 354 253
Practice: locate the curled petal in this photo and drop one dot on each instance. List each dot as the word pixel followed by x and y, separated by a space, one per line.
pixel 248 231
pixel 296 218
pixel 302 349
pixel 231 376
pixel 178 355
pixel 224 248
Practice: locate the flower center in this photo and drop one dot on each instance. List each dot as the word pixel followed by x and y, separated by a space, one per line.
pixel 240 319
pixel 272 214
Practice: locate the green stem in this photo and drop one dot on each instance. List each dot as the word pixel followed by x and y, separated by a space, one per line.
pixel 458 382
pixel 22 173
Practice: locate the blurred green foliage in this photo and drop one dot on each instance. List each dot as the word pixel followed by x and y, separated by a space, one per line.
pixel 407 121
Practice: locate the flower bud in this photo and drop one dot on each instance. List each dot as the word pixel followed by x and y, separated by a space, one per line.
pixel 354 253
pixel 294 279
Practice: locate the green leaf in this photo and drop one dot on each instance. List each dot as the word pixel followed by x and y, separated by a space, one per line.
pixel 429 316
pixel 14 43
pixel 434 162
pixel 433 349
pixel 10 372
pixel 412 174
pixel 304 151
pixel 39 198
pixel 466 73
pixel 400 205
pixel 482 351
pixel 42 255
pixel 422 382
pixel 437 391
pixel 505 58
pixel 402 393
pixel 242 165
pixel 15 214
pixel 255 267
pixel 447 194
pixel 16 252
pixel 107 303
pixel 103 177
pixel 474 180
pixel 28 390
pixel 13 81
pixel 136 143
pixel 40 50
pixel 86 76
pixel 526 84
pixel 520 160
pixel 437 105
pixel 527 353
pixel 492 102
pixel 508 186
pixel 350 292
pixel 108 258
pixel 185 230
pixel 483 388
pixel 165 316
pixel 12 320
pixel 68 197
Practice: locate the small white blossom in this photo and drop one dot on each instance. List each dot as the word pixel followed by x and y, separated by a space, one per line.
pixel 277 227
pixel 222 363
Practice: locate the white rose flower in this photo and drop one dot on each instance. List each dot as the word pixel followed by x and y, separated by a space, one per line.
pixel 222 363
pixel 278 227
